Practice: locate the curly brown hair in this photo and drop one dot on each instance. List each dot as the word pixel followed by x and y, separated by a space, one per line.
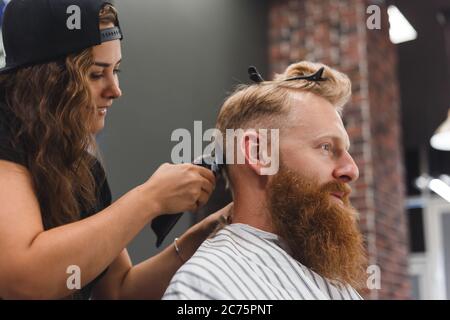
pixel 50 112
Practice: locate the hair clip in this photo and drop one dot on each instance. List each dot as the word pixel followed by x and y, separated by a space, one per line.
pixel 254 75
pixel 317 76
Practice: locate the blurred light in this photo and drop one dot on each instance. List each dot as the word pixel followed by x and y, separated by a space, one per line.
pixel 441 138
pixel 445 178
pixel 400 29
pixel 441 188
pixel 422 182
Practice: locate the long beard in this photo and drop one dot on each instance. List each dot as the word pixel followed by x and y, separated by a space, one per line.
pixel 322 235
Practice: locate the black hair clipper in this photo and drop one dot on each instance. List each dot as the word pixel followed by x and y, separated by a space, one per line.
pixel 162 225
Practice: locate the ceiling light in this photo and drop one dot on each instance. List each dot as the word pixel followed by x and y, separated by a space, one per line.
pixel 441 138
pixel 400 29
pixel 441 188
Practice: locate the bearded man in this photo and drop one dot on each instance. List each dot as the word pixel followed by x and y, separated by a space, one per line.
pixel 293 234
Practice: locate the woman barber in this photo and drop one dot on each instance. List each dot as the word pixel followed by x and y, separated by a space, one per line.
pixel 60 79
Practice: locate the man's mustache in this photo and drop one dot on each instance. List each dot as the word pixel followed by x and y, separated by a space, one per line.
pixel 337 187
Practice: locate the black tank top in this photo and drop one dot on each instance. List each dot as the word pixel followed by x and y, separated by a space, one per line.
pixel 103 194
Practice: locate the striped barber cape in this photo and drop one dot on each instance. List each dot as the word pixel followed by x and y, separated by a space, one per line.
pixel 244 263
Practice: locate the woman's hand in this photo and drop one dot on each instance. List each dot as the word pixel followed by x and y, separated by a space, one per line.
pixel 176 188
pixel 212 223
pixel 195 235
pixel 216 221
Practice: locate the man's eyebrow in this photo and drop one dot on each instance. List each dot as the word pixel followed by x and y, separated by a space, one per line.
pixel 105 64
pixel 334 138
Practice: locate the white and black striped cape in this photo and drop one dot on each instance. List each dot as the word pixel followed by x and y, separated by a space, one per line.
pixel 244 263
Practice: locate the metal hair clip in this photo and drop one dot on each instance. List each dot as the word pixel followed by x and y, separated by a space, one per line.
pixel 317 76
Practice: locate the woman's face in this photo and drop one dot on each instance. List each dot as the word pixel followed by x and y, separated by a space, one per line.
pixel 103 78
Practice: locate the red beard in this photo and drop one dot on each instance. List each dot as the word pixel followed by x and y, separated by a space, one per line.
pixel 321 234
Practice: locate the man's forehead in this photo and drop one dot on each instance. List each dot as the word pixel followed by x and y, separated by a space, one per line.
pixel 313 117
pixel 311 133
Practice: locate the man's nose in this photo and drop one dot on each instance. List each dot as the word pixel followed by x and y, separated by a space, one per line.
pixel 346 170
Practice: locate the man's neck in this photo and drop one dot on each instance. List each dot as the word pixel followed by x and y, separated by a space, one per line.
pixel 250 208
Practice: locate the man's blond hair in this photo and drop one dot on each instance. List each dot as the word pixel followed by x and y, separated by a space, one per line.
pixel 261 105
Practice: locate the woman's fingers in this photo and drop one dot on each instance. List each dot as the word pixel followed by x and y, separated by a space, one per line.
pixel 177 188
pixel 203 199
pixel 207 174
pixel 207 187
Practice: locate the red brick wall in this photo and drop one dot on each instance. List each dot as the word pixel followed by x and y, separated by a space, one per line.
pixel 334 32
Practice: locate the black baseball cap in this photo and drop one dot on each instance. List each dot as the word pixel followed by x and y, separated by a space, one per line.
pixel 40 31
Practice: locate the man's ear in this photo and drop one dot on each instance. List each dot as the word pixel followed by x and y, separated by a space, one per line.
pixel 254 149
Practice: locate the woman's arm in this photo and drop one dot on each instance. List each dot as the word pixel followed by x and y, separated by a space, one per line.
pixel 149 279
pixel 34 262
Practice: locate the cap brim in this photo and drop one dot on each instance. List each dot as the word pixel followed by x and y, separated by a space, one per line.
pixel 8 69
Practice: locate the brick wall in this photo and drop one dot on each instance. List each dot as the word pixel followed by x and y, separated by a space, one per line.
pixel 334 32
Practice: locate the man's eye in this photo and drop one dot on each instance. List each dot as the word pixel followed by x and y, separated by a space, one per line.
pixel 326 147
pixel 116 71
